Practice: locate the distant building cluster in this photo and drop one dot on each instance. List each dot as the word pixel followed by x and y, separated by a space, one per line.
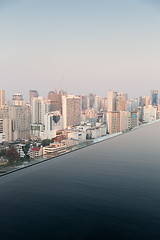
pixel 69 119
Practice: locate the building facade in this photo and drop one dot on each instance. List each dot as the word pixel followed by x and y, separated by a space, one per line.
pixel 71 110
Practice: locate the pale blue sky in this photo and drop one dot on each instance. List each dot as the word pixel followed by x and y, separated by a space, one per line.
pixel 95 45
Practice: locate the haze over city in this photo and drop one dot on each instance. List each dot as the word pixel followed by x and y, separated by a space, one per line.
pixel 94 46
pixel 79 119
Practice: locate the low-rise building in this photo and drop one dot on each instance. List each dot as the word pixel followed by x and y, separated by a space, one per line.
pixel 36 152
pixel 23 150
pixel 69 142
pixel 54 149
pixel 96 132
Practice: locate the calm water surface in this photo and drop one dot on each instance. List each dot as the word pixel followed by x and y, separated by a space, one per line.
pixel 110 190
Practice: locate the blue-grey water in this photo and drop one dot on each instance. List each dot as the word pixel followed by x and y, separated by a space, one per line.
pixel 110 190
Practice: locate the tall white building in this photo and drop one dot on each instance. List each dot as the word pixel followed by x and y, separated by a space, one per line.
pixel 71 110
pixel 53 122
pixel 38 110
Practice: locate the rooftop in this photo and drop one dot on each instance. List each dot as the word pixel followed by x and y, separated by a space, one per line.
pixel 109 190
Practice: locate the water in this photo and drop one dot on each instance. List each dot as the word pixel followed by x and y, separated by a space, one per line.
pixel 110 190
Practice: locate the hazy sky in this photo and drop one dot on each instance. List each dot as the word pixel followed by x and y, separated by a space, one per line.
pixel 95 45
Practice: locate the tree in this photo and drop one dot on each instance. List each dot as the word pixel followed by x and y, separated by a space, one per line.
pixel 3 152
pixel 12 155
pixel 46 142
pixel 52 140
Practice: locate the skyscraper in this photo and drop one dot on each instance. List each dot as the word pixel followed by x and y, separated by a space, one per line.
pixel 112 101
pixel 71 110
pixel 32 94
pixel 105 104
pixel 113 122
pixel 91 99
pixel 154 97
pixel 120 102
pixel 38 110
pixel 55 101
pixel 7 122
pixel 97 103
pixel 134 119
pixel 2 136
pixel 85 102
pixel 125 120
pixel 2 97
pixel 20 122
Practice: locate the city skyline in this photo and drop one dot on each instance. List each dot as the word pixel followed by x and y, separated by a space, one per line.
pixel 42 118
pixel 27 99
pixel 93 47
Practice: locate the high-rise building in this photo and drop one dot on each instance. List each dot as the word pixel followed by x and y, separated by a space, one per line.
pixel 134 119
pixel 140 113
pixel 132 104
pixel 125 120
pixel 2 136
pixel 105 104
pixel 2 97
pixel 85 102
pixel 38 110
pixel 18 100
pixel 112 101
pixel 20 122
pixel 149 113
pixel 7 122
pixel 91 99
pixel 121 102
pixel 88 114
pixel 154 97
pixel 144 101
pixel 97 103
pixel 1 125
pixel 16 124
pixel 33 94
pixel 53 122
pixel 71 110
pixel 55 101
pixel 113 122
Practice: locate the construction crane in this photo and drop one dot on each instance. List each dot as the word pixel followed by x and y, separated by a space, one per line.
pixel 59 86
